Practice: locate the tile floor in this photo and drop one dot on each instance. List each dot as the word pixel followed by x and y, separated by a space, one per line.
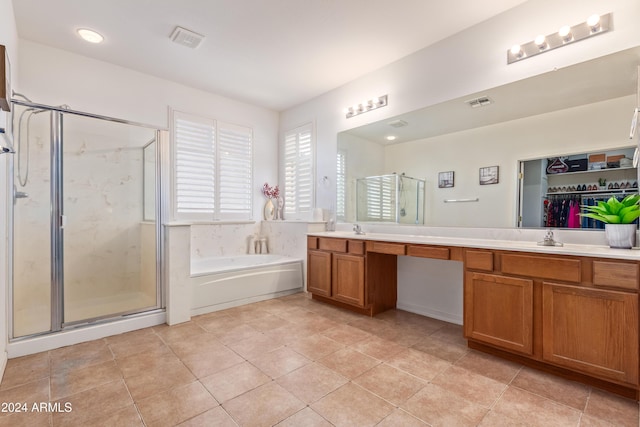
pixel 295 362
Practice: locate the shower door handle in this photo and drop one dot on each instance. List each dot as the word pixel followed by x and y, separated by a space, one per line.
pixel 63 221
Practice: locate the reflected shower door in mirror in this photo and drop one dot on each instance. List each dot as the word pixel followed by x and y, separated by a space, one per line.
pixel 390 198
pixel 578 109
pixel 553 190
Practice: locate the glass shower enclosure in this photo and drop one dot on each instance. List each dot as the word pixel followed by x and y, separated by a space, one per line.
pixel 390 198
pixel 86 219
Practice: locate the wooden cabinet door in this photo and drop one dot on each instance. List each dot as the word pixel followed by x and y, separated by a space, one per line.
pixel 319 273
pixel 498 310
pixel 348 279
pixel 591 330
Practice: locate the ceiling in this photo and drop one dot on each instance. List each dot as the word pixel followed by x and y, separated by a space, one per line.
pixel 271 53
pixel 608 77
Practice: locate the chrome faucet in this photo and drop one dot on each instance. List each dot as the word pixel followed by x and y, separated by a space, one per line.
pixel 549 240
pixel 358 229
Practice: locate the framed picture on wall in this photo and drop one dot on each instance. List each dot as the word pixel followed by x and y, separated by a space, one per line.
pixel 489 175
pixel 445 179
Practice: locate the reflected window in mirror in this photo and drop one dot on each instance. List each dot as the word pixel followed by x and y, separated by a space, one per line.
pixel 341 184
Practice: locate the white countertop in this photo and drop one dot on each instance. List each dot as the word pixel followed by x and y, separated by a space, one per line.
pixel 509 245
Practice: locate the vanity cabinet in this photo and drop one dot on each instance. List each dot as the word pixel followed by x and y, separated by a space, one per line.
pixel 572 312
pixel 591 330
pixel 336 270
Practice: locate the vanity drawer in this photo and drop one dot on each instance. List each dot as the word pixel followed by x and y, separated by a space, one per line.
pixel 312 242
pixel 616 274
pixel 428 252
pixel 566 269
pixel 479 260
pixel 334 245
pixel 387 248
pixel 356 247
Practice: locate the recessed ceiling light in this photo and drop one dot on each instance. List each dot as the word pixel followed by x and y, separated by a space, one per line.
pixel 390 138
pixel 90 35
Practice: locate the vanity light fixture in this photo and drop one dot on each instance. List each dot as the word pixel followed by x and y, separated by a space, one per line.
pixel 594 25
pixel 90 35
pixel 367 105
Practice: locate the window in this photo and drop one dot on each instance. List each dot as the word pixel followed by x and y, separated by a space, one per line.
pixel 341 184
pixel 212 169
pixel 298 170
pixel 378 197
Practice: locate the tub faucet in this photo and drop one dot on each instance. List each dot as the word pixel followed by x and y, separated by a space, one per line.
pixel 358 229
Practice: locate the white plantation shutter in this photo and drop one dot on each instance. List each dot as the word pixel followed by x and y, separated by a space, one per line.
pixel 212 170
pixel 341 184
pixel 235 154
pixel 380 198
pixel 194 166
pixel 298 170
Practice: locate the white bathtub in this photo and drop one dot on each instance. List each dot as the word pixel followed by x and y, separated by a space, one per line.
pixel 223 282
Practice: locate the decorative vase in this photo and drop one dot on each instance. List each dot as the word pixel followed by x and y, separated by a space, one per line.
pixel 269 210
pixel 622 236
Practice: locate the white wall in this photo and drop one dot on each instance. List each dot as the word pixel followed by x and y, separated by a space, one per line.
pixel 9 38
pixel 469 62
pixel 53 76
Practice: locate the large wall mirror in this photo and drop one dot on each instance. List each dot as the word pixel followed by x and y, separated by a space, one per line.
pixel 445 149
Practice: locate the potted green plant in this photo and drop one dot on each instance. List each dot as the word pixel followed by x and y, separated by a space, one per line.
pixel 618 217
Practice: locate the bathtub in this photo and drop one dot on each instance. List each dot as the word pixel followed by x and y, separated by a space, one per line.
pixel 223 282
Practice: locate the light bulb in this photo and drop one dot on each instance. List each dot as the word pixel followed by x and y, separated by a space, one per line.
pixel 565 33
pixel 345 110
pixel 541 41
pixel 515 49
pixel 593 20
pixel 90 35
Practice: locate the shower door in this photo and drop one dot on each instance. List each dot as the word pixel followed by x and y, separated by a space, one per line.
pixel 87 235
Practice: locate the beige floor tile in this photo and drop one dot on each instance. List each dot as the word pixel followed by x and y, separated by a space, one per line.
pixel 293 315
pixel 305 418
pixel 493 419
pixel 472 387
pixel 402 418
pixel 369 324
pixel 216 417
pixel 26 419
pixel 25 394
pixel 349 363
pixel 525 407
pixel 255 347
pixel 490 366
pixel 126 417
pixel 268 322
pixel 451 352
pixel 25 369
pixel 236 333
pixel 346 335
pixel 378 348
pixel 437 406
pixel 351 405
pixel 266 405
pixel 589 421
pixel 216 324
pixel 451 333
pixel 552 387
pixel 176 405
pixel 234 381
pixel 315 323
pixel 417 363
pixel 80 355
pixel 136 364
pixel 98 402
pixel 82 379
pixel 612 408
pixel 404 336
pixel 136 344
pixel 311 382
pixel 211 359
pixel 280 362
pixel 180 332
pixel 390 383
pixel 315 347
pixel 287 334
pixel 158 379
pixel 195 344
pixel 129 337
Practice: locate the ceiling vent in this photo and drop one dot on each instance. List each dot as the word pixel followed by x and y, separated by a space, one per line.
pixel 397 123
pixel 186 37
pixel 482 101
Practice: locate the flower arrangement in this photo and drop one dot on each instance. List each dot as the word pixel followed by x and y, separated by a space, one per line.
pixel 270 192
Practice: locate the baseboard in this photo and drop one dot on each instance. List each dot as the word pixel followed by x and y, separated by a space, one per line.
pixel 430 312
pixel 243 301
pixel 3 363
